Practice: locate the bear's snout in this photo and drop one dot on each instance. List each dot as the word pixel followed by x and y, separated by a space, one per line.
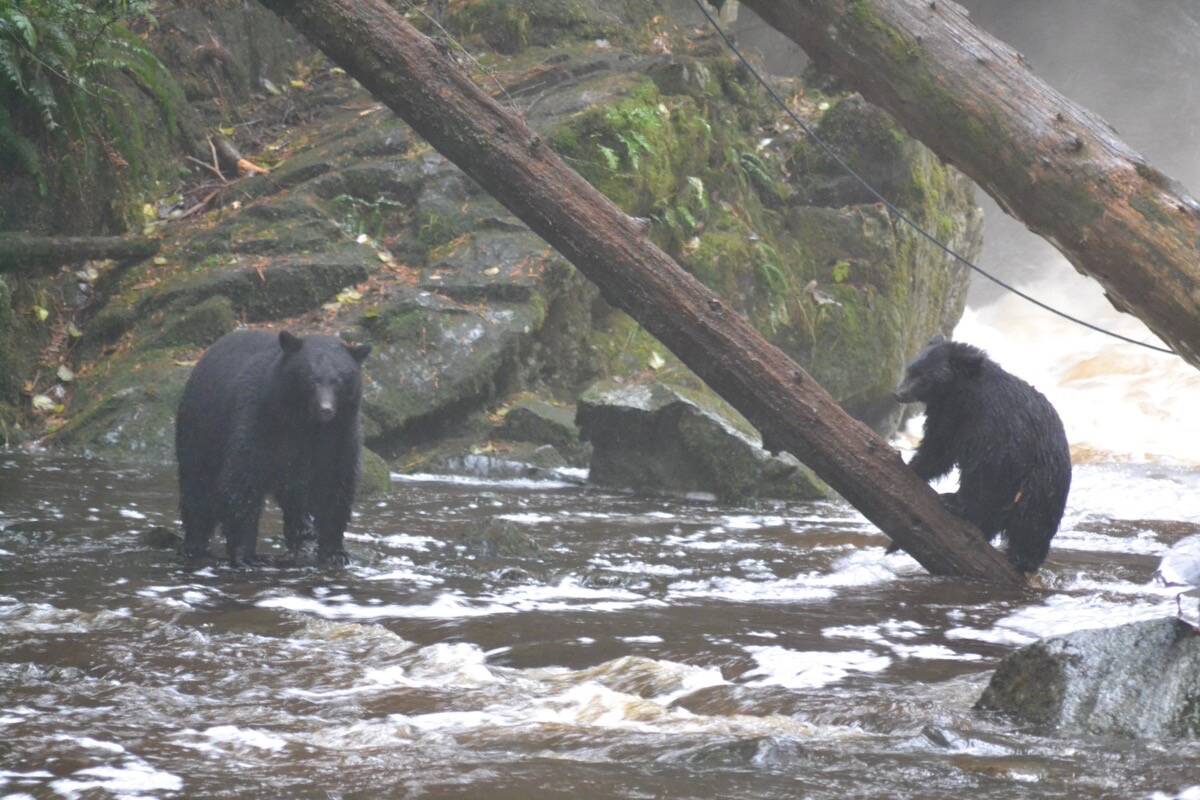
pixel 324 404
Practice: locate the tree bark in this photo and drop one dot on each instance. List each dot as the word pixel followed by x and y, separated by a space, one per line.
pixel 1047 161
pixel 405 70
pixel 21 253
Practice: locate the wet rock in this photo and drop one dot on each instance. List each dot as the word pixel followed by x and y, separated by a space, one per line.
pixel 766 752
pixel 649 438
pixel 375 476
pixel 499 539
pixel 540 422
pixel 160 538
pixel 1141 679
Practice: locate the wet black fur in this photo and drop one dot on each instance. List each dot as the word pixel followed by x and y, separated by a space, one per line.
pixel 1006 439
pixel 250 423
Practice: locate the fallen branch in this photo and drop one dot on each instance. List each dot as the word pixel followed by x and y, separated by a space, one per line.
pixel 21 252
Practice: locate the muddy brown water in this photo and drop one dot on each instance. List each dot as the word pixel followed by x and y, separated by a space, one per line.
pixel 650 648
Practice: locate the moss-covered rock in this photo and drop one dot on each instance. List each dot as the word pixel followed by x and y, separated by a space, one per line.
pixel 200 325
pixel 375 476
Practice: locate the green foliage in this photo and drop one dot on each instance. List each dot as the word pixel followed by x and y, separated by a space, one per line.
pixel 54 56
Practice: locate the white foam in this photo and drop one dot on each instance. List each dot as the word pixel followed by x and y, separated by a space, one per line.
pixel 1061 614
pixel 1190 793
pixel 931 652
pixel 527 518
pixel 445 606
pixel 567 595
pixel 245 737
pixel 133 778
pixel 129 513
pixel 798 669
pixel 90 743
pixel 408 541
pixel 747 522
pixel 465 480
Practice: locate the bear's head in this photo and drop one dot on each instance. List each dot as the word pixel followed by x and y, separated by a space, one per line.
pixel 322 374
pixel 938 370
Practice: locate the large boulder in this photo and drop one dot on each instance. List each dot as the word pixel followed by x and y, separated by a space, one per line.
pixel 650 438
pixel 1141 679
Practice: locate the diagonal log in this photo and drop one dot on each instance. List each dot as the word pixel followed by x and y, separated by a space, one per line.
pixel 405 70
pixel 1047 161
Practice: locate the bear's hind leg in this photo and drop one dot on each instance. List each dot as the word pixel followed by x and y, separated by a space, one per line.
pixel 1029 535
pixel 196 510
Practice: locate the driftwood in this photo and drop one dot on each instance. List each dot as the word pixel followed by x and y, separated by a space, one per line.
pixel 1047 161
pixel 406 71
pixel 23 253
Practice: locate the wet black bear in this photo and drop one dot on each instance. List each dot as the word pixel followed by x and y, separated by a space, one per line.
pixel 1005 438
pixel 270 414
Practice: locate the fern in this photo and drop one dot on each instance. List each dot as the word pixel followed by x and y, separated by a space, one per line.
pixel 54 56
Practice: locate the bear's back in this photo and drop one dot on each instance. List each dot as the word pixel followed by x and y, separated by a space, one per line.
pixel 229 374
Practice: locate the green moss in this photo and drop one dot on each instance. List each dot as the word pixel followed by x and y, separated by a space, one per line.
pixel 899 48
pixel 198 326
pixel 375 476
pixel 641 150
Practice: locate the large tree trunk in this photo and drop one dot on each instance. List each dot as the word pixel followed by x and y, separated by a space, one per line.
pixel 20 252
pixel 404 69
pixel 1053 165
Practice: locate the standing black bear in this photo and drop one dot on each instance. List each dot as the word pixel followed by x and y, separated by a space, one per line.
pixel 270 414
pixel 1005 438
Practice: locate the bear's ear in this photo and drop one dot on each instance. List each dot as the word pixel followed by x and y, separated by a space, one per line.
pixel 937 339
pixel 359 351
pixel 289 341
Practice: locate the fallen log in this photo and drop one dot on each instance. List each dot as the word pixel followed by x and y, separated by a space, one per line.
pixel 1047 161
pixel 21 252
pixel 406 71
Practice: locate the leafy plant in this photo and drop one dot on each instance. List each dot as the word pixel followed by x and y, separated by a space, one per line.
pixel 54 55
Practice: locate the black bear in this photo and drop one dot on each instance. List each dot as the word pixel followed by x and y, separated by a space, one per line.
pixel 1005 438
pixel 270 414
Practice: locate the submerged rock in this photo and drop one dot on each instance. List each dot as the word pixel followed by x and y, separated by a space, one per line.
pixel 499 539
pixel 1140 679
pixel 649 438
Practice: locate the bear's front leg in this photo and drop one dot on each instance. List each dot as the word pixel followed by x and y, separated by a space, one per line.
pixel 331 517
pixel 332 498
pixel 298 524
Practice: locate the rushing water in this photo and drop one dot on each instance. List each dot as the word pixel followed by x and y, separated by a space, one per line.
pixel 651 648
